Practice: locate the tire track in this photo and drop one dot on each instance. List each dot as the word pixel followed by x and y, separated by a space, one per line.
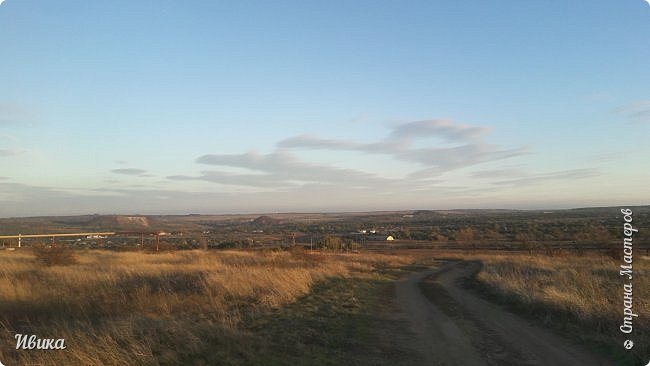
pixel 455 327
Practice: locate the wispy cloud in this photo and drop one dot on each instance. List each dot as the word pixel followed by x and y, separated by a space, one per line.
pixel 285 179
pixel 18 199
pixel 459 146
pixel 132 171
pixel 400 137
pixel 5 137
pixel 451 146
pixel 497 173
pixel 447 129
pixel 558 175
pixel 638 111
pixel 14 114
pixel 279 170
pixel 27 200
pixel 10 152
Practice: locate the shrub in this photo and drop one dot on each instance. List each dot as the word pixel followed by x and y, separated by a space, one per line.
pixel 52 255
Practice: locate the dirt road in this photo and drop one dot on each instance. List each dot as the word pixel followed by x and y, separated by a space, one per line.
pixel 459 328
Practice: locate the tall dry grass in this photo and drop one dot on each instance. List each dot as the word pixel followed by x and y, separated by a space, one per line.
pixel 143 309
pixel 582 295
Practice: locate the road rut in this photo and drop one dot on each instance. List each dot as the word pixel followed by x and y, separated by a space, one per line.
pixel 459 328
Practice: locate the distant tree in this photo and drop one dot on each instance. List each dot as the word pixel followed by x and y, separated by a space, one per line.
pixel 465 234
pixel 436 234
pixel 558 233
pixel 522 237
pixel 353 245
pixel 332 242
pixel 593 233
pixel 202 242
pixel 492 234
pixel 534 232
pixel 600 233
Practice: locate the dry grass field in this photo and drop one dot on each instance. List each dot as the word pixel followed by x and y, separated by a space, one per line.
pixel 579 296
pixel 144 309
pixel 274 307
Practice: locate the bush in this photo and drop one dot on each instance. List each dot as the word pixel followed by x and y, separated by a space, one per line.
pixel 331 242
pixel 54 255
pixel 235 244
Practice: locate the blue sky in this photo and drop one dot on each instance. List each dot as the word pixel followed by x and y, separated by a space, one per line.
pixel 216 107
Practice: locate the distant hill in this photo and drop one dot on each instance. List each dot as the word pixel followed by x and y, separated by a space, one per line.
pixel 265 221
pixel 120 223
pixel 415 218
pixel 67 224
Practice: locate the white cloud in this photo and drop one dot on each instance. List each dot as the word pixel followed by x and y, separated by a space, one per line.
pixel 286 179
pixel 452 146
pixel 281 170
pixel 460 146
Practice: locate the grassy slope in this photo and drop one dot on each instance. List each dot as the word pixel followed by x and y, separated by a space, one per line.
pixel 342 322
pixel 231 308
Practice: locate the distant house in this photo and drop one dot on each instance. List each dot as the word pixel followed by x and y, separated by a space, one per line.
pixel 380 238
